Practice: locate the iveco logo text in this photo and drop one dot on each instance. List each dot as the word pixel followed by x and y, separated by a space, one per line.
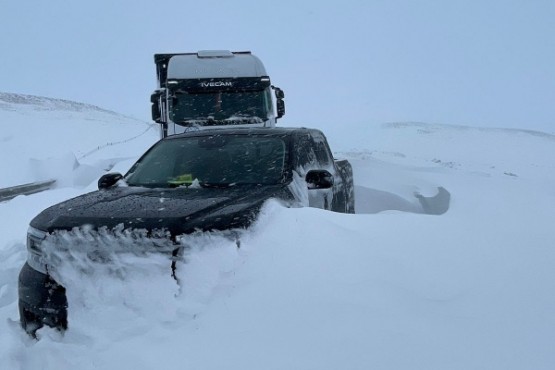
pixel 216 84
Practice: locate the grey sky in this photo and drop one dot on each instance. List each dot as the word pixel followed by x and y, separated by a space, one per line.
pixel 479 63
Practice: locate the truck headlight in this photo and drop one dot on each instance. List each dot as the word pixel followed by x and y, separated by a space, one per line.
pixel 35 257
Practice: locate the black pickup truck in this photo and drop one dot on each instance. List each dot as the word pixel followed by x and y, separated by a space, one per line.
pixel 205 180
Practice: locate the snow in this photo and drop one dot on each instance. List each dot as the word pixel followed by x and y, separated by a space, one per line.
pixel 36 153
pixel 461 280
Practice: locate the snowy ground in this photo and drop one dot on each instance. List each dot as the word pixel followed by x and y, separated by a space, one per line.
pixel 392 287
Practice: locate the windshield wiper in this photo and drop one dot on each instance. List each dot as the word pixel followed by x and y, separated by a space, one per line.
pixel 216 185
pixel 210 121
pixel 245 117
pixel 197 120
pixel 202 121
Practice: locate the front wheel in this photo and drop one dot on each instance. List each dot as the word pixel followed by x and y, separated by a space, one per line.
pixel 31 321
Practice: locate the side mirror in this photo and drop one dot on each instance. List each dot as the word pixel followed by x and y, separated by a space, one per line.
pixel 280 108
pixel 280 104
pixel 319 179
pixel 156 111
pixel 279 92
pixel 108 180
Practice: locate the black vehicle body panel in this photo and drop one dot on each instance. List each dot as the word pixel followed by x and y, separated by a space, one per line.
pixel 41 300
pixel 183 210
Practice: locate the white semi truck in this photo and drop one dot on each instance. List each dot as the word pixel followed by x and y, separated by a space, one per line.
pixel 213 88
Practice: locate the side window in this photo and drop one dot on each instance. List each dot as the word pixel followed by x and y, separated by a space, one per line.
pixel 321 149
pixel 305 156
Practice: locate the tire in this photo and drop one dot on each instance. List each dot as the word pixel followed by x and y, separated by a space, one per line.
pixel 29 321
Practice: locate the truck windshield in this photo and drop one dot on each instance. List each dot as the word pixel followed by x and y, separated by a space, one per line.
pixel 215 107
pixel 211 161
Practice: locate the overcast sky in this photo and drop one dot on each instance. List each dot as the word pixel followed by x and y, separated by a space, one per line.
pixel 479 63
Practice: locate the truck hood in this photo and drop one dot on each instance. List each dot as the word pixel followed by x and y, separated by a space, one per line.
pixel 178 210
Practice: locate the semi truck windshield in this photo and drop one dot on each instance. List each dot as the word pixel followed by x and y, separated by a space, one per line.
pixel 244 107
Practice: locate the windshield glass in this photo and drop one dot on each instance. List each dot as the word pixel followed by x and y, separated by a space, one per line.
pixel 211 161
pixel 206 107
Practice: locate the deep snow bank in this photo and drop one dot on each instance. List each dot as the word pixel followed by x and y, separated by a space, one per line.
pixel 388 288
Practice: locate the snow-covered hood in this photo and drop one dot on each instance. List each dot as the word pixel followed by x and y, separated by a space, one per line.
pixel 179 210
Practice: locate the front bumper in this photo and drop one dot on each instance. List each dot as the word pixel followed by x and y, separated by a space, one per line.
pixel 42 301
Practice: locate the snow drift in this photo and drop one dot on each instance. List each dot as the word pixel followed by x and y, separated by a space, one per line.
pixel 448 263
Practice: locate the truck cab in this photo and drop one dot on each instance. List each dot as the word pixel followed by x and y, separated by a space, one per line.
pixel 213 88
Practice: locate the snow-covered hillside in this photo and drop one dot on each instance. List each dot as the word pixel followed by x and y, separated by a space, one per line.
pixel 44 138
pixel 463 282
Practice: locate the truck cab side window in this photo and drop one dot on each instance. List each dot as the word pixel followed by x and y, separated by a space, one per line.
pixel 306 158
pixel 320 146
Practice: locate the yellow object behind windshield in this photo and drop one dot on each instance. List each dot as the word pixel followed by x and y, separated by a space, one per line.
pixel 185 179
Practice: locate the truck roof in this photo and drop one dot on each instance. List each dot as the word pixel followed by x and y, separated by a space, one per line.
pixel 213 64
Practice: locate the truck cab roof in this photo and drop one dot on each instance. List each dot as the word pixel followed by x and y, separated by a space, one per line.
pixel 211 64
